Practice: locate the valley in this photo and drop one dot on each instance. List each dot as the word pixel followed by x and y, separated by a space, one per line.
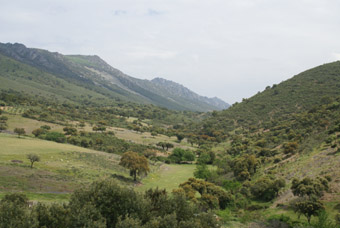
pixel 271 160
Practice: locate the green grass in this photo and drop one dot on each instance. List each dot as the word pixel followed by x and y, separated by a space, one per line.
pixel 62 168
pixel 17 121
pixel 44 197
pixel 168 177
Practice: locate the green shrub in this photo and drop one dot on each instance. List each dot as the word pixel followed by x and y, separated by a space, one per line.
pixel 55 136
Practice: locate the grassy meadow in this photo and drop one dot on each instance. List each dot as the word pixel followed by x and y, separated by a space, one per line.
pixel 168 177
pixel 62 168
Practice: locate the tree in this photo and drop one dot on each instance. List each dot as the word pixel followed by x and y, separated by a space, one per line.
pixel 70 131
pixel 308 207
pixel 33 158
pixel 169 145
pixel 3 126
pixel 267 188
pixel 19 131
pixel 211 194
pixel 309 187
pixel 137 164
pixel 202 171
pixel 179 155
pixel 14 212
pixel 290 147
pixel 45 127
pixel 180 137
pixel 161 144
pixel 38 131
pixel 245 166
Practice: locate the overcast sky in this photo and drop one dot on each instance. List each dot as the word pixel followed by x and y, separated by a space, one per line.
pixel 226 48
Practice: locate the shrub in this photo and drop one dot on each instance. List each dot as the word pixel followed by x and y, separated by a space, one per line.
pixel 55 136
pixel 267 188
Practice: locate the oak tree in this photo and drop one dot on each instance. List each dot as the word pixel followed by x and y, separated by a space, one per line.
pixel 19 131
pixel 33 158
pixel 137 164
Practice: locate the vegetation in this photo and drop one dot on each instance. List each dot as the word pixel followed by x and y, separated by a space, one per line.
pixel 179 155
pixel 19 131
pixel 272 159
pixel 138 165
pixel 33 158
pixel 106 204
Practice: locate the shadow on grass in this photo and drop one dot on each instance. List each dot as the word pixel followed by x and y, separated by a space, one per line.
pixel 124 179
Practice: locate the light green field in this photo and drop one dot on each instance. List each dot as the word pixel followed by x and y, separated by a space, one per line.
pixel 62 168
pixel 144 138
pixel 17 121
pixel 168 177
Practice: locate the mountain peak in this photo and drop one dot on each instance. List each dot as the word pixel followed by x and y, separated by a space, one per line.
pixel 181 91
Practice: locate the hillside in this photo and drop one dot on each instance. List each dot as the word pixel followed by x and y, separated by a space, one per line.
pixel 62 168
pixel 88 77
pixel 300 93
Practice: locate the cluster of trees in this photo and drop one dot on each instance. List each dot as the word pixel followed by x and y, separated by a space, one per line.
pixel 114 114
pixel 106 204
pixel 267 188
pixel 106 141
pixel 44 133
pixel 164 145
pixel 210 195
pixel 180 155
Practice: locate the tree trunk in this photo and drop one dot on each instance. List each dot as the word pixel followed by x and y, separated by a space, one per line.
pixel 135 176
pixel 32 165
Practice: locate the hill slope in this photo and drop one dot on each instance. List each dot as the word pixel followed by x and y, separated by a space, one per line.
pixel 62 167
pixel 310 88
pixel 92 75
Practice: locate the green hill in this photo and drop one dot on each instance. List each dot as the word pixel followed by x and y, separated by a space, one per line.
pixel 90 77
pixel 313 87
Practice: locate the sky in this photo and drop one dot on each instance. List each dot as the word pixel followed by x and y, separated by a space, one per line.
pixel 226 48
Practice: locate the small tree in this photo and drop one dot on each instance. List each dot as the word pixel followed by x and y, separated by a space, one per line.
pixel 70 131
pixel 19 131
pixel 180 137
pixel 161 144
pixel 3 126
pixel 38 131
pixel 33 158
pixel 169 145
pixel 202 171
pixel 308 207
pixel 137 164
pixel 45 127
pixel 309 187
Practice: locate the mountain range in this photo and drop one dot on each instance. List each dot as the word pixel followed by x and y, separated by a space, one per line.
pixel 77 77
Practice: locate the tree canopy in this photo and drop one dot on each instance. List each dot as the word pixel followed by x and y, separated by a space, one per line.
pixel 137 164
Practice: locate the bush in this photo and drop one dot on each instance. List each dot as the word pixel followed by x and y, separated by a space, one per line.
pixel 267 188
pixel 55 136
pixel 14 212
pixel 179 155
